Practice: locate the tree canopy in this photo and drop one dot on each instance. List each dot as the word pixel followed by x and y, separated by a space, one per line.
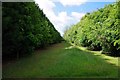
pixel 25 28
pixel 98 30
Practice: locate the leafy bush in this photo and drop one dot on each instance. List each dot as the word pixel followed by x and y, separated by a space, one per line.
pixel 99 30
pixel 25 28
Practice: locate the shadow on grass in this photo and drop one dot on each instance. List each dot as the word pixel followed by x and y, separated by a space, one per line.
pixel 61 63
pixel 107 58
pixel 110 60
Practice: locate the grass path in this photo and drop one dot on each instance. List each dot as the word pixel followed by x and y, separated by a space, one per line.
pixel 61 60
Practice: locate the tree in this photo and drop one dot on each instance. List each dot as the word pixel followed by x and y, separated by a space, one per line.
pixel 98 30
pixel 25 28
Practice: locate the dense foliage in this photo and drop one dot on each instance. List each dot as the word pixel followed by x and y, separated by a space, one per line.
pixel 25 28
pixel 99 30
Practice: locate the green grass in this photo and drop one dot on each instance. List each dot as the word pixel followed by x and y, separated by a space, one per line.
pixel 61 60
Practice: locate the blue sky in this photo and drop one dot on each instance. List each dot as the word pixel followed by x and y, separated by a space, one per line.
pixel 84 8
pixel 63 13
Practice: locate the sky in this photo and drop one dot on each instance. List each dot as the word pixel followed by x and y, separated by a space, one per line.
pixel 64 13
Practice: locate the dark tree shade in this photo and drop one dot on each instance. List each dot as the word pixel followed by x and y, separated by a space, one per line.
pixel 25 28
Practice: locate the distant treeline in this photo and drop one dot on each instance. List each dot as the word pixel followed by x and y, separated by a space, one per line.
pixel 25 28
pixel 99 30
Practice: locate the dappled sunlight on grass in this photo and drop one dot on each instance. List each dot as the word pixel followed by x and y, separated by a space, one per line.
pixel 61 60
pixel 109 59
pixel 70 47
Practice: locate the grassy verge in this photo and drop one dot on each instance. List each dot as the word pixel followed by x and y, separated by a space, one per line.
pixel 60 60
pixel 109 59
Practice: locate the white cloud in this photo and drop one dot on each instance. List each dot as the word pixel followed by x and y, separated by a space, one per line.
pixel 101 0
pixel 77 15
pixel 72 2
pixel 45 4
pixel 78 2
pixel 63 17
pixel 62 20
pixel 47 7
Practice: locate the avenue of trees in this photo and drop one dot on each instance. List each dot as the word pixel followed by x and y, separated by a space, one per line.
pixel 25 28
pixel 98 30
